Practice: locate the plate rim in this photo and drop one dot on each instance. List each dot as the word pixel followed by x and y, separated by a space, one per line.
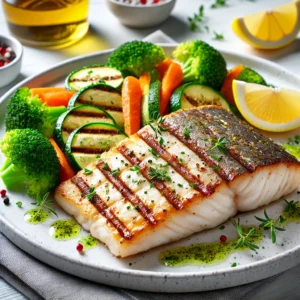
pixel 142 273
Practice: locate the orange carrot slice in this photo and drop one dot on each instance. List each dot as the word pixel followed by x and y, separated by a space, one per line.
pixel 171 80
pixel 226 89
pixel 53 96
pixel 163 66
pixel 145 82
pixel 66 172
pixel 131 100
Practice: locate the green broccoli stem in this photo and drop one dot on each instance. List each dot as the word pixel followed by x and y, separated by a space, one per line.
pixel 11 175
pixel 188 71
pixel 53 112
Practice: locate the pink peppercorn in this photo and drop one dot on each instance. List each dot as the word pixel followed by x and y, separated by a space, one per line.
pixel 3 193
pixel 223 238
pixel 79 248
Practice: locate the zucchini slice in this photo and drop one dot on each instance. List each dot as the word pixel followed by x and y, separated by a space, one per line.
pixel 150 103
pixel 76 117
pixel 103 96
pixel 86 143
pixel 194 94
pixel 88 75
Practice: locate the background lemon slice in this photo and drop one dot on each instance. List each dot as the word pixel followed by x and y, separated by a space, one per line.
pixel 269 29
pixel 270 109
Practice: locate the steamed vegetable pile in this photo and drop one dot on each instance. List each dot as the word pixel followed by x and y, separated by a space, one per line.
pixel 54 132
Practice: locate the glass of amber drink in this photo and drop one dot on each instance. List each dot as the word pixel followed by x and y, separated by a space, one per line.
pixel 47 23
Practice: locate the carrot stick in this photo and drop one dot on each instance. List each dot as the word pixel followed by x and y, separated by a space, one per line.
pixel 145 82
pixel 53 96
pixel 58 98
pixel 163 66
pixel 131 99
pixel 171 80
pixel 66 172
pixel 226 89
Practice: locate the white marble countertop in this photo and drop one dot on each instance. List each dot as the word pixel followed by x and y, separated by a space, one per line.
pixel 106 32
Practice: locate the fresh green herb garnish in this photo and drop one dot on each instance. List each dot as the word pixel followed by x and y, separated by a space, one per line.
pixel 87 171
pixel 186 132
pixel 218 36
pixel 157 126
pixel 192 185
pixel 161 141
pixel 216 168
pixel 160 174
pixel 45 204
pixel 135 169
pixel 271 224
pixel 106 166
pixel 233 265
pixel 180 185
pixel 197 19
pixel 291 206
pixel 222 227
pixel 220 144
pixel 216 157
pixel 219 3
pixel 137 208
pixel 152 151
pixel 180 159
pixel 115 172
pixel 91 193
pixel 19 204
pixel 244 240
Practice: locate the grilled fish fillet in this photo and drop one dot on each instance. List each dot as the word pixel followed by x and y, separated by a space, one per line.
pixel 191 172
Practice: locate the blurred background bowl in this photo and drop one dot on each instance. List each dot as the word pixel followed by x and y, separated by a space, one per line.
pixel 141 16
pixel 10 72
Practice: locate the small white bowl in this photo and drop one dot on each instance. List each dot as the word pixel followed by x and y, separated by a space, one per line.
pixel 141 16
pixel 10 72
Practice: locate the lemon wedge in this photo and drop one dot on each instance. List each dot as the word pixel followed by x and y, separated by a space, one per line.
pixel 270 109
pixel 269 29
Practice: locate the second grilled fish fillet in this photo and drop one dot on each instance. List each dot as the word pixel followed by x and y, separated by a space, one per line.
pixel 191 172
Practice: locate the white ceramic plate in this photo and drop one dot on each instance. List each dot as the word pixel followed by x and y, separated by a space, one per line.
pixel 144 271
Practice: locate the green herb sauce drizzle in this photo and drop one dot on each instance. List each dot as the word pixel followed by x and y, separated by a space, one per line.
pixel 89 242
pixel 205 253
pixel 64 230
pixel 36 216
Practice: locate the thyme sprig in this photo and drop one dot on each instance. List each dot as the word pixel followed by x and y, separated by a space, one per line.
pixel 156 126
pixel 218 36
pixel 159 173
pixel 197 19
pixel 245 238
pixel 271 224
pixel 291 206
pixel 220 144
pixel 219 3
pixel 44 203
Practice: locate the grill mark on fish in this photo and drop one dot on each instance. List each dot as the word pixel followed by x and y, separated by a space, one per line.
pixel 248 147
pixel 96 78
pixel 200 143
pixel 126 192
pixel 170 195
pixel 172 160
pixel 88 114
pixel 93 131
pixel 106 107
pixel 102 208
pixel 88 150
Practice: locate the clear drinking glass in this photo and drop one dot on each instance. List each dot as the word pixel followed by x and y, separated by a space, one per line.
pixel 47 23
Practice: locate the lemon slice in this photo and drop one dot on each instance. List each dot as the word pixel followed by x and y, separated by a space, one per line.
pixel 269 29
pixel 270 109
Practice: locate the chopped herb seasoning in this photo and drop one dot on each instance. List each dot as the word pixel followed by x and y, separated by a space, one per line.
pixel 222 227
pixel 91 193
pixel 218 36
pixel 180 185
pixel 135 169
pixel 160 174
pixel 19 204
pixel 137 208
pixel 161 141
pixel 216 157
pixel 219 144
pixel 116 172
pixel 233 265
pixel 152 151
pixel 87 171
pixel 197 19
pixel 219 3
pixel 186 132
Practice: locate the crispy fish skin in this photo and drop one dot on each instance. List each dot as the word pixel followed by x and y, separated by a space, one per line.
pixel 145 197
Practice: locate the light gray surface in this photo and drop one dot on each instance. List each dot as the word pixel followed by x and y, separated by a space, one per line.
pixel 107 32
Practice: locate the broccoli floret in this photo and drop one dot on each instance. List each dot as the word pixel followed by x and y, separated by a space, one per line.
pixel 251 76
pixel 27 111
pixel 31 161
pixel 201 63
pixel 136 57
